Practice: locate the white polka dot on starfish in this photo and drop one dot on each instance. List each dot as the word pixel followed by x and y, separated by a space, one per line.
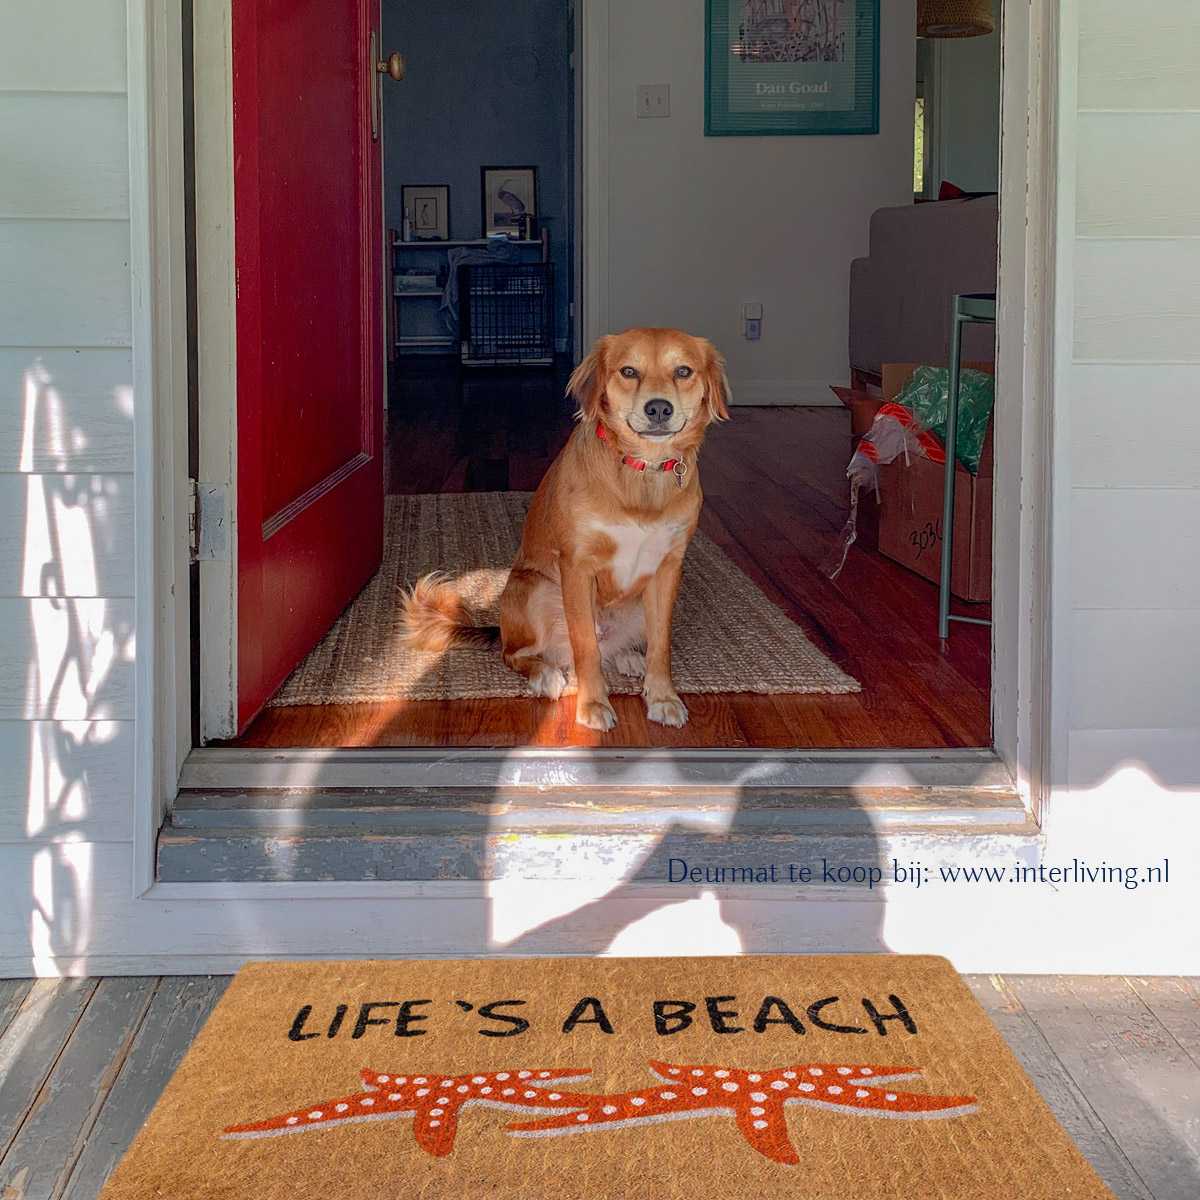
pixel 807 1087
pixel 581 1117
pixel 667 1095
pixel 815 1071
pixel 729 1086
pixel 890 1096
pixel 843 1070
pixel 609 1109
pixel 834 1090
pixel 758 1097
pixel 778 1085
pixel 638 1101
pixel 699 1091
pixel 862 1093
pixel 760 1124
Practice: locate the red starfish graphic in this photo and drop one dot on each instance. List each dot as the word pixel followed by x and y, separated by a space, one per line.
pixel 433 1100
pixel 755 1099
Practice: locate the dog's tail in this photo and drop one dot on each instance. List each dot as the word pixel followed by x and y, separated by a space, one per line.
pixel 434 617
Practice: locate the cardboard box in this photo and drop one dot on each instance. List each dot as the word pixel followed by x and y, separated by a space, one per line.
pixel 910 519
pixel 862 407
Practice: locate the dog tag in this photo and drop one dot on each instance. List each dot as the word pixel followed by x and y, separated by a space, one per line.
pixel 680 470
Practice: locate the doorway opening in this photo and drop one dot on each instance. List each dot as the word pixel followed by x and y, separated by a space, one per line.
pixel 823 238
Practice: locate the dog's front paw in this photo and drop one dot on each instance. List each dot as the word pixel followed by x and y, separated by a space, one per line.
pixel 667 710
pixel 547 681
pixel 595 714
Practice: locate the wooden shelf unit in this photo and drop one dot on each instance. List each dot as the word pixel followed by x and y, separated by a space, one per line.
pixel 397 246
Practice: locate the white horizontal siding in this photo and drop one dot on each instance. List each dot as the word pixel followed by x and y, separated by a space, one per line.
pixel 66 535
pixel 64 283
pixel 1134 426
pixel 70 660
pixel 64 156
pixel 1135 549
pixel 67 736
pixel 1139 174
pixel 63 46
pixel 1137 300
pixel 65 410
pixel 1132 558
pixel 1139 56
pixel 1167 756
pixel 1135 669
pixel 66 781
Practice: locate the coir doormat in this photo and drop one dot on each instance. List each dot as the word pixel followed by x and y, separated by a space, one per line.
pixel 813 1077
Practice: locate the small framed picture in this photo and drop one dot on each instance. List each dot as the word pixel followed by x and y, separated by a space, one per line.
pixel 427 207
pixel 509 196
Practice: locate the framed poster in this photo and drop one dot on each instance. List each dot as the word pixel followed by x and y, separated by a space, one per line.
pixel 509 196
pixel 427 206
pixel 791 67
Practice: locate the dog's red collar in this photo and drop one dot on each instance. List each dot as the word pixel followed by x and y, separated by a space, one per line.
pixel 640 464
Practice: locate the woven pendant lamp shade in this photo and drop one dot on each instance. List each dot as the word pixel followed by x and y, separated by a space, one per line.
pixel 954 18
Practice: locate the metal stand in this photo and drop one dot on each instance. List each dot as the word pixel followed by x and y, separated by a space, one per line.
pixel 972 309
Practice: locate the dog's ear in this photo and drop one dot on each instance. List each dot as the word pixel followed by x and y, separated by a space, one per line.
pixel 716 384
pixel 588 381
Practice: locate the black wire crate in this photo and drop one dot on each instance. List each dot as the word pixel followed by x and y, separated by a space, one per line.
pixel 506 314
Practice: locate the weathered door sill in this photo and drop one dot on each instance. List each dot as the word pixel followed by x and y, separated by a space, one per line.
pixel 592 817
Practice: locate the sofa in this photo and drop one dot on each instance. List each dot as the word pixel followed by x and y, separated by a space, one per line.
pixel 921 256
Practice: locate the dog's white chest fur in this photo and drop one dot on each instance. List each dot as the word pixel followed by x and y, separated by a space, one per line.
pixel 640 549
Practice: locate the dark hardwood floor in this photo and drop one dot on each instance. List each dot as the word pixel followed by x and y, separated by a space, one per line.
pixel 775 499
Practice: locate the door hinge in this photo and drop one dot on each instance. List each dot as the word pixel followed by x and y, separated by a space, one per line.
pixel 208 522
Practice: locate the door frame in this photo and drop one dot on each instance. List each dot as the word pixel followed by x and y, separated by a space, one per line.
pixel 1025 361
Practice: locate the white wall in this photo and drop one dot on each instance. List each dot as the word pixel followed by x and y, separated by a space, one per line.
pixel 967 120
pixel 698 225
pixel 1126 610
pixel 1126 622
pixel 66 462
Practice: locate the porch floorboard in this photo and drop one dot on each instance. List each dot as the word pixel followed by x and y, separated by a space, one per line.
pixel 83 1061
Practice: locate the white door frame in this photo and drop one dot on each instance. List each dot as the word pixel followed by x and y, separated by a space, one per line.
pixel 1024 361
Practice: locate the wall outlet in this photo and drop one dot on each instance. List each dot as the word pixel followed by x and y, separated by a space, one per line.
pixel 654 100
pixel 752 317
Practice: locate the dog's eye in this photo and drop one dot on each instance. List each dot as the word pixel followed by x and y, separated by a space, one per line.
pixel 629 372
pixel 684 372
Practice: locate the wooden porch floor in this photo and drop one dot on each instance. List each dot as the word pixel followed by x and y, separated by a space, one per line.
pixel 82 1062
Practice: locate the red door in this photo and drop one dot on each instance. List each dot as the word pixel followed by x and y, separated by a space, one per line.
pixel 308 203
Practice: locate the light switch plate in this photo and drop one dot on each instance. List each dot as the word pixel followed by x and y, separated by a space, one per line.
pixel 654 100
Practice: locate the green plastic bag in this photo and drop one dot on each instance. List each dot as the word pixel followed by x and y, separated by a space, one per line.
pixel 927 394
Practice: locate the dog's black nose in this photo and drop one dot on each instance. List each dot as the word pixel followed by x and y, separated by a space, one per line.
pixel 659 410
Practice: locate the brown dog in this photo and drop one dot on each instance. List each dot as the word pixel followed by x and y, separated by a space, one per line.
pixel 601 552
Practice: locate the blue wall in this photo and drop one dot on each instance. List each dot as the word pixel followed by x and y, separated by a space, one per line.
pixel 488 84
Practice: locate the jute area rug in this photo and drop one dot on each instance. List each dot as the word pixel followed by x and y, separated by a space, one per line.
pixel 728 637
pixel 811 1077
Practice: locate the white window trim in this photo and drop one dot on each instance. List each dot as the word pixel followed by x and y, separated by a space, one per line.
pixel 1025 353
